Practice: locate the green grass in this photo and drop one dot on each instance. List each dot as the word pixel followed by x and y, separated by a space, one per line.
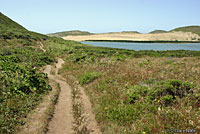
pixel 22 84
pixel 88 77
pixel 139 91
pixel 131 91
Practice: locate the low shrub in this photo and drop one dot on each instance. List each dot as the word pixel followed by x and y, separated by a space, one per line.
pixel 88 77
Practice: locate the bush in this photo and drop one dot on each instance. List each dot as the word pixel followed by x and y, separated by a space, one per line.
pixel 164 91
pixel 88 77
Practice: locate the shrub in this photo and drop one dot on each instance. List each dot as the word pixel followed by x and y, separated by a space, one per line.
pixel 88 77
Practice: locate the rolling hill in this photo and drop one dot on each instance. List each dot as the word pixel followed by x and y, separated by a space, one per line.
pixel 158 31
pixel 8 24
pixel 22 85
pixel 183 34
pixel 193 29
pixel 9 29
pixel 67 33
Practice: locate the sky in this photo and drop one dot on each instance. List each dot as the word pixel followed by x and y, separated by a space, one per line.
pixel 98 16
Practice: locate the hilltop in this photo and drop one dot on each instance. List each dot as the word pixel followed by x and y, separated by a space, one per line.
pixel 158 31
pixel 80 33
pixel 183 34
pixel 67 33
pixel 9 29
pixel 8 24
pixel 193 29
pixel 123 32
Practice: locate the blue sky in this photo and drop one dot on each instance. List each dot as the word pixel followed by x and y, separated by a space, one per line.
pixel 47 16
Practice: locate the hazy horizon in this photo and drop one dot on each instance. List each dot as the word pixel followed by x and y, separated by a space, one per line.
pixel 102 16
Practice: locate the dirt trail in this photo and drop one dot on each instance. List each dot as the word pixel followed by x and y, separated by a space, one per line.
pixel 42 47
pixel 92 124
pixel 62 120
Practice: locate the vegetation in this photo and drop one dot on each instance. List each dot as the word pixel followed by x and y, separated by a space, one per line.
pixel 131 91
pixel 126 32
pixel 68 33
pixel 158 31
pixel 193 29
pixel 22 84
pixel 139 91
pixel 130 32
pixel 88 77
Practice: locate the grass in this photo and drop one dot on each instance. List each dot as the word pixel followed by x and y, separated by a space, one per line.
pixel 139 91
pixel 88 77
pixel 42 114
pixel 131 91
pixel 22 84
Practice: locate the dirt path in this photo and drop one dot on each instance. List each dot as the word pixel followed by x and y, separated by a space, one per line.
pixel 92 124
pixel 42 47
pixel 62 120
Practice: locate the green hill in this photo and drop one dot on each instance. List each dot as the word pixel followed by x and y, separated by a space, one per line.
pixel 9 29
pixel 158 31
pixel 22 85
pixel 68 33
pixel 6 24
pixel 193 29
pixel 130 32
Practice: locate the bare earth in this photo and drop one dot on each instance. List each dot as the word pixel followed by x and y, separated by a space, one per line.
pixel 92 124
pixel 61 122
pixel 171 36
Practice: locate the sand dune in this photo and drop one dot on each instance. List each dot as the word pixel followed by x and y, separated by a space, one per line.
pixel 171 36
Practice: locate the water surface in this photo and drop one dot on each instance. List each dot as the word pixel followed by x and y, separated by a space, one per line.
pixel 147 46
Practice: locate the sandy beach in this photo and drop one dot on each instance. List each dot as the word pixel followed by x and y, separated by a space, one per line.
pixel 171 36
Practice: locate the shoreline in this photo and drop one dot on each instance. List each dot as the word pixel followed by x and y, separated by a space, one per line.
pixel 130 41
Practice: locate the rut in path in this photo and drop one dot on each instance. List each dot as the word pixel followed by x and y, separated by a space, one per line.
pixel 62 120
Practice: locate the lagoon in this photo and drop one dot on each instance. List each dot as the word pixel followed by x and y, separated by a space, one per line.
pixel 147 46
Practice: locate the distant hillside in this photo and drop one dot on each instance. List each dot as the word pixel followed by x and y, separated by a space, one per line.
pixel 158 31
pixel 9 29
pixel 68 33
pixel 130 32
pixel 8 24
pixel 193 29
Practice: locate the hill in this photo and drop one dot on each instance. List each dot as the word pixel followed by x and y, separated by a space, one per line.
pixel 22 85
pixel 130 32
pixel 6 24
pixel 68 33
pixel 158 31
pixel 9 29
pixel 193 29
pixel 123 32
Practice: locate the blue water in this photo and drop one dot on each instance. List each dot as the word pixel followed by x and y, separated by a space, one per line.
pixel 147 46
